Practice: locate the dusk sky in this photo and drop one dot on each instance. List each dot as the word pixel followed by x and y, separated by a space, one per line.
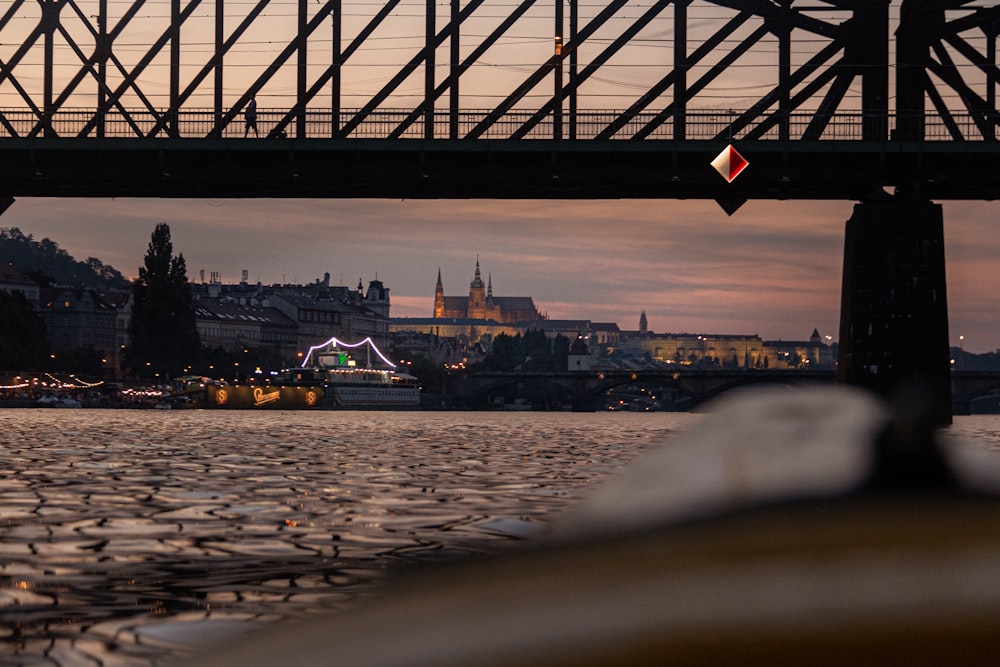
pixel 773 269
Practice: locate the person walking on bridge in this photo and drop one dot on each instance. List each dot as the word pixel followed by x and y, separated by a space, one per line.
pixel 251 118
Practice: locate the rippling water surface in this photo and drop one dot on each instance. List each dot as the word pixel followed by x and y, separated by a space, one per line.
pixel 129 537
pixel 133 537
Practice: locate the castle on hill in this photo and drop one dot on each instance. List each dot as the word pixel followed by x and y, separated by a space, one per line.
pixel 482 305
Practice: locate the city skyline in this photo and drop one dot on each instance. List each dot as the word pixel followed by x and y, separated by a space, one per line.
pixel 773 269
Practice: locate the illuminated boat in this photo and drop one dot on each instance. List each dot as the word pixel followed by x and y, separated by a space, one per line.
pixel 355 375
pixel 251 397
pixel 332 376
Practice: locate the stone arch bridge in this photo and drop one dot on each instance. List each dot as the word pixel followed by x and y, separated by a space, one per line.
pixel 585 390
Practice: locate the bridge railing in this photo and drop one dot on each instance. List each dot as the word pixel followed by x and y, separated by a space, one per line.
pixel 407 124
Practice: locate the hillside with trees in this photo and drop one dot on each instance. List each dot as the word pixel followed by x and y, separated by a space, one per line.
pixel 48 264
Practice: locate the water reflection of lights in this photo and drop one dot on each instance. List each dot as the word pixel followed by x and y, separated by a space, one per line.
pixel 143 392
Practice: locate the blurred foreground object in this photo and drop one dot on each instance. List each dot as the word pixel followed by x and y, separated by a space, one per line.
pixel 791 527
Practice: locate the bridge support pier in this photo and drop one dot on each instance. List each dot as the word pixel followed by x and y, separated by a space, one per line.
pixel 894 314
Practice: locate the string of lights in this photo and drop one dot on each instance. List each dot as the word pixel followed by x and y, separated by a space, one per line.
pixel 73 382
pixel 335 342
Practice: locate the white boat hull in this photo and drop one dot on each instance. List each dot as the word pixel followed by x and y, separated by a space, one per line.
pixel 373 397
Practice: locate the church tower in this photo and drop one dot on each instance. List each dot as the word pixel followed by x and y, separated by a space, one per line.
pixel 377 298
pixel 477 296
pixel 439 297
pixel 492 312
pixel 643 324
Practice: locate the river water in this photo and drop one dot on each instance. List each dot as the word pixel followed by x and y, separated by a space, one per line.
pixel 135 537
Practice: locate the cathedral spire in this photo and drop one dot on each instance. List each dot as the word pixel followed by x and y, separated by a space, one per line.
pixel 439 296
pixel 489 285
pixel 477 296
pixel 477 280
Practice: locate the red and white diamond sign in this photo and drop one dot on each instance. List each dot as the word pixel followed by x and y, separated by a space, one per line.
pixel 729 163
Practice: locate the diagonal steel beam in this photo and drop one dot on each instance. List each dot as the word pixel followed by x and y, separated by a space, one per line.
pixel 600 19
pixel 945 112
pixel 473 57
pixel 652 12
pixel 979 18
pixel 333 68
pixel 169 120
pixel 107 99
pixel 975 57
pixel 834 96
pixel 131 76
pixel 800 75
pixel 989 68
pixel 167 35
pixel 658 88
pixel 407 70
pixel 10 13
pixel 706 78
pixel 807 92
pixel 771 12
pixel 87 61
pixel 948 73
pixel 774 95
pixel 26 46
pixel 277 63
pixel 217 57
pixel 7 126
pixel 25 95
pixel 87 68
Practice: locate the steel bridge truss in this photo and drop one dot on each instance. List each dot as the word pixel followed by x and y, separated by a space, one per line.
pixel 507 69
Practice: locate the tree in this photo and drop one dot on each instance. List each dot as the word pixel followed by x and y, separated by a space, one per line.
pixel 505 355
pixel 108 275
pixel 432 374
pixel 531 352
pixel 163 329
pixel 23 342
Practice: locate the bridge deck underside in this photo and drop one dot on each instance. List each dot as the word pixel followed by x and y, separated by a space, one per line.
pixel 417 169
